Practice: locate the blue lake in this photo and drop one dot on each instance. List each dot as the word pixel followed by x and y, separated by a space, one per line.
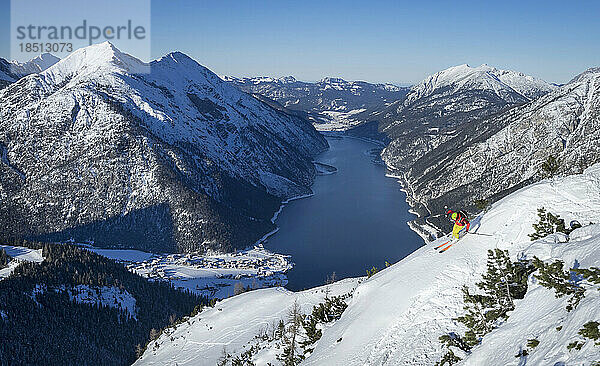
pixel 356 219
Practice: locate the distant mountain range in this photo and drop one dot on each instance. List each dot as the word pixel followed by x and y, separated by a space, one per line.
pixel 11 71
pixel 436 107
pixel 330 104
pixel 166 145
pixel 93 148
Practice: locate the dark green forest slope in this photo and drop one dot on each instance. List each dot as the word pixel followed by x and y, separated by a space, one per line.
pixel 48 328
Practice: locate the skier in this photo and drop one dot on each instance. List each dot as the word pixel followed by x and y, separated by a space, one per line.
pixel 460 222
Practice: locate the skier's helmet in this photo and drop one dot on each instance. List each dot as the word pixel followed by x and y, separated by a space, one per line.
pixel 454 215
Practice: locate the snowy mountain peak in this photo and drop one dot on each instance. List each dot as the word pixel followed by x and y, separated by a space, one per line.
pixel 89 60
pixel 11 71
pixel 177 56
pixel 287 79
pixel 178 60
pixel 96 53
pixel 330 80
pixel 591 72
pixel 44 61
pixel 504 83
pixel 180 132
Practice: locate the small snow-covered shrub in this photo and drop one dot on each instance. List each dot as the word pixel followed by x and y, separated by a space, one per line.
pixel 532 343
pixel 482 204
pixel 575 345
pixel 372 271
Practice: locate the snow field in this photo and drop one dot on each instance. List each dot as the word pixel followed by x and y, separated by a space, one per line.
pixel 396 317
pixel 233 324
pixel 18 255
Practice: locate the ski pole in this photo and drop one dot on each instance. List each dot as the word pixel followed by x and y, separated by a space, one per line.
pixel 480 234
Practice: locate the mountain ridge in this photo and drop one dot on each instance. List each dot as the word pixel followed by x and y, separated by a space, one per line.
pixel 505 151
pixel 330 103
pixel 167 148
pixel 11 71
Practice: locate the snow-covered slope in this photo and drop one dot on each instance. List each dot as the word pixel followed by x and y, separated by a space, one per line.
pixel 396 316
pixel 18 255
pixel 161 156
pixel 331 103
pixel 112 297
pixel 233 326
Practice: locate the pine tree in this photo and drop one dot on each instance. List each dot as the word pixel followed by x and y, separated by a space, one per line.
pixel 154 334
pixel 475 306
pixel 590 331
pixel 329 310
pixel 280 331
pixel 455 340
pixel 553 276
pixel 550 167
pixel 503 282
pixel 313 334
pixel 238 288
pixel 449 358
pixel 291 356
pixel 139 350
pixel 548 224
pixel 4 259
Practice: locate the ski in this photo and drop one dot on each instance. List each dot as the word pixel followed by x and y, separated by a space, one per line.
pixel 452 242
pixel 441 245
pixel 446 248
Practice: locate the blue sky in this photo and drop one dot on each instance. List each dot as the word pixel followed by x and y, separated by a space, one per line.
pixel 380 41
